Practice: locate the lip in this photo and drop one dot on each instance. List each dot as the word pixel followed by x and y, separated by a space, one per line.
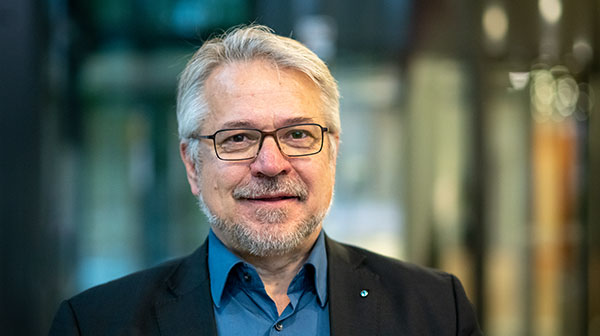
pixel 276 198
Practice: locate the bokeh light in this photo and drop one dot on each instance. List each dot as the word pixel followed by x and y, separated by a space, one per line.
pixel 495 23
pixel 551 10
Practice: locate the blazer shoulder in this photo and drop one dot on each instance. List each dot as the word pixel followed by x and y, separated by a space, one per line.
pixel 131 300
pixel 124 298
pixel 402 281
pixel 409 293
pixel 385 266
pixel 130 284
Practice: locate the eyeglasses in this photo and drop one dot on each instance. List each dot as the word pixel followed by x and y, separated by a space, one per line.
pixel 245 143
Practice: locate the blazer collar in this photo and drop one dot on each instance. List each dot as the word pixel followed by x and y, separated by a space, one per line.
pixel 186 307
pixel 354 292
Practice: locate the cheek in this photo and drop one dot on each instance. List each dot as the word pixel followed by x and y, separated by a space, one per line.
pixel 320 177
pixel 221 179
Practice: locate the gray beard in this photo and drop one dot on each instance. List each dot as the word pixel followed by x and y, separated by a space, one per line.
pixel 269 239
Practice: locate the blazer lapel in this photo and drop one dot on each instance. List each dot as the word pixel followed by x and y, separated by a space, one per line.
pixel 354 293
pixel 187 309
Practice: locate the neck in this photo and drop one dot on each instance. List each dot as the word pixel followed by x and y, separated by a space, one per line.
pixel 277 272
pixel 277 275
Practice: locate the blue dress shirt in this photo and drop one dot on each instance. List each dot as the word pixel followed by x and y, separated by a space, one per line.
pixel 242 306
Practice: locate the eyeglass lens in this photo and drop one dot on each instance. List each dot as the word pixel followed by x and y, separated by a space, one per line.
pixel 295 140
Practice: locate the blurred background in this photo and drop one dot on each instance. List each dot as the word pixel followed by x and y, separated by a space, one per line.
pixel 471 134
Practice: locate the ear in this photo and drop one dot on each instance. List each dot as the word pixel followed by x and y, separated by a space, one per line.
pixel 335 141
pixel 190 169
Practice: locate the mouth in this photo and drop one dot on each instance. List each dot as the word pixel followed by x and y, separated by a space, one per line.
pixel 272 198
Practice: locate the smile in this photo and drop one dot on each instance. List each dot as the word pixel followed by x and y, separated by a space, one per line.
pixel 272 199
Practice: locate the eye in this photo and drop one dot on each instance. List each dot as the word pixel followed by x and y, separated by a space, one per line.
pixel 298 134
pixel 237 138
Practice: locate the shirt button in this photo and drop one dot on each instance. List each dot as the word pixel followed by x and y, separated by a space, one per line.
pixel 279 326
pixel 246 276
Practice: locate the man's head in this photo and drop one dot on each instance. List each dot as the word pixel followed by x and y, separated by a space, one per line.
pixel 273 200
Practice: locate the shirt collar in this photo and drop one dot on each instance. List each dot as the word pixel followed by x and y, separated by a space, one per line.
pixel 318 259
pixel 221 261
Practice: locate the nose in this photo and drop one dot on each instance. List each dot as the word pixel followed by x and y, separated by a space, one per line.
pixel 270 161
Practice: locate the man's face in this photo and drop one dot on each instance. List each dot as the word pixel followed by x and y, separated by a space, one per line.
pixel 283 199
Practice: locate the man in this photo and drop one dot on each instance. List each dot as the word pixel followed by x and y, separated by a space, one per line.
pixel 259 128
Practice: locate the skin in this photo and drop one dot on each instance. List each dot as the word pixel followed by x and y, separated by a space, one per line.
pixel 256 94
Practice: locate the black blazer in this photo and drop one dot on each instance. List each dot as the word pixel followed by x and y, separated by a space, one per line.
pixel 174 299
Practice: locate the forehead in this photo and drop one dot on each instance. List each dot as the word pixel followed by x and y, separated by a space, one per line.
pixel 261 95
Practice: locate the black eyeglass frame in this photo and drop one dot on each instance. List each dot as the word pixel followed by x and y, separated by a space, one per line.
pixel 263 134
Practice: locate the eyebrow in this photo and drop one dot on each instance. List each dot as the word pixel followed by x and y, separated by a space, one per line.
pixel 245 123
pixel 238 124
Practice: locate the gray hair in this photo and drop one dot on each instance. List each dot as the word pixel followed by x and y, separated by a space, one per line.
pixel 247 43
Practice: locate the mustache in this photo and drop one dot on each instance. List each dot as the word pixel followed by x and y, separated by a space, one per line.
pixel 264 186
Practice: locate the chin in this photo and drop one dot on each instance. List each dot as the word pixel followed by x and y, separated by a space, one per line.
pixel 264 238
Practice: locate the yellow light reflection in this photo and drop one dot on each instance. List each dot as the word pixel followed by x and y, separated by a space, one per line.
pixel 543 88
pixel 551 10
pixel 495 23
pixel 567 94
pixel 557 96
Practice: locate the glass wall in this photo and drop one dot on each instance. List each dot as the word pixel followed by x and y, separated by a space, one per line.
pixel 470 141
